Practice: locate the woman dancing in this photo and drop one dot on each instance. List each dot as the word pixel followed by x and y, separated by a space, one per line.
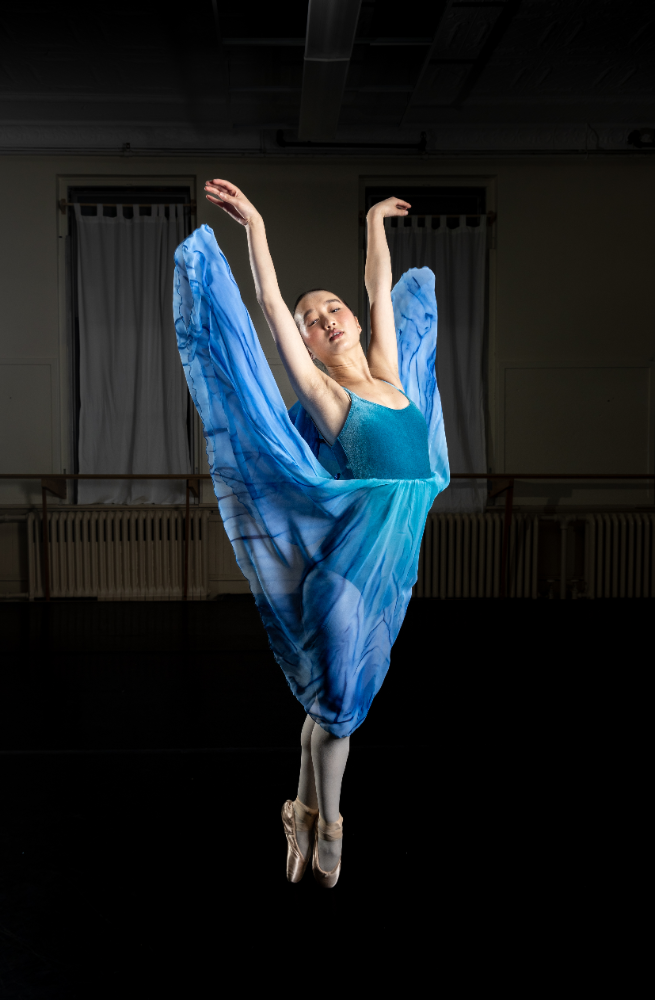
pixel 325 505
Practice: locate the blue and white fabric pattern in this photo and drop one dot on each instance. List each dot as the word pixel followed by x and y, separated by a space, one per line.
pixel 330 562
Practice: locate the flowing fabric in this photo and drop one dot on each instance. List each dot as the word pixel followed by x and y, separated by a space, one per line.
pixel 331 563
pixel 458 258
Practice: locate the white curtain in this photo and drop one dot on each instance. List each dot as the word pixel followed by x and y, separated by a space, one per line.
pixel 133 393
pixel 457 257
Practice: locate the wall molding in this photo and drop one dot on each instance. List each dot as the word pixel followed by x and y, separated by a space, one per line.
pixel 180 138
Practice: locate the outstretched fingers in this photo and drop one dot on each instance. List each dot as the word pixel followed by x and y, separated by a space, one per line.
pixel 218 194
pixel 228 197
pixel 224 188
pixel 215 192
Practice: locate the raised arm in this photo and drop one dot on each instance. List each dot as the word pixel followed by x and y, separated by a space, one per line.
pixel 307 380
pixel 383 347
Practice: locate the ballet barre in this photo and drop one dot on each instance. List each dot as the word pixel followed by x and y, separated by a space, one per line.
pixel 505 484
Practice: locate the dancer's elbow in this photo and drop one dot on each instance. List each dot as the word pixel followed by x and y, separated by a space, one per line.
pixel 269 302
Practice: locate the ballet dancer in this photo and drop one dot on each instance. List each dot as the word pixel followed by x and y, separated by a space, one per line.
pixel 325 504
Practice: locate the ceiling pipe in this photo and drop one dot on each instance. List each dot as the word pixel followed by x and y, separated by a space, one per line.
pixel 331 28
pixel 420 146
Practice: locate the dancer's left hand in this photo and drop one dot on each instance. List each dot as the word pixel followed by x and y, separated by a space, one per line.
pixel 389 208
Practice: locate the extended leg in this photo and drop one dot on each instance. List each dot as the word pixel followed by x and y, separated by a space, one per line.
pixel 306 787
pixel 329 756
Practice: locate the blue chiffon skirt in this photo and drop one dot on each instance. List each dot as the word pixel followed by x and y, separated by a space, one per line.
pixel 331 563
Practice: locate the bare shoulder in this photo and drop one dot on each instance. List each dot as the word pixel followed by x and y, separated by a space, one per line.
pixel 386 374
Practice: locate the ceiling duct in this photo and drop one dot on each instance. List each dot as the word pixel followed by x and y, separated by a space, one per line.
pixel 331 27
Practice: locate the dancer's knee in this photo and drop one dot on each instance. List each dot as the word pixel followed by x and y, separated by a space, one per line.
pixel 306 734
pixel 323 742
pixel 322 735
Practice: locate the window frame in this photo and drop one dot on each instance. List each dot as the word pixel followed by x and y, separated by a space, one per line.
pixel 66 289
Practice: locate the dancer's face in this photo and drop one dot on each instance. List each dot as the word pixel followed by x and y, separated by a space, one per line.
pixel 327 325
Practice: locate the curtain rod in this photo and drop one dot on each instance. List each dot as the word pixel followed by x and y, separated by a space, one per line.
pixel 489 216
pixel 421 146
pixel 63 204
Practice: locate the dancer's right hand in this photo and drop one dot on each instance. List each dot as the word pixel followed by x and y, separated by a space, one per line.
pixel 231 200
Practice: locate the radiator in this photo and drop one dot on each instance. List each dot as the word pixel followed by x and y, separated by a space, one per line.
pixel 620 555
pixel 128 555
pixel 119 555
pixel 461 556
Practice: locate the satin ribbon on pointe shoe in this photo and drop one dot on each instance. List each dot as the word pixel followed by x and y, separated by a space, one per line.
pixel 327 831
pixel 296 816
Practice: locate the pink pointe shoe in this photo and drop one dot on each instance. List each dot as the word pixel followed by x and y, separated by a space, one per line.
pixel 327 831
pixel 296 863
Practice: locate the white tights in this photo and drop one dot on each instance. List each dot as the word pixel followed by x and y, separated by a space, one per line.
pixel 322 763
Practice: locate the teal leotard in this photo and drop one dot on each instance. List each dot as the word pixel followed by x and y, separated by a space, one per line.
pixel 377 442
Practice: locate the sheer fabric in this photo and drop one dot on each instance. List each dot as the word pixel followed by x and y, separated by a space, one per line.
pixel 331 563
pixel 457 257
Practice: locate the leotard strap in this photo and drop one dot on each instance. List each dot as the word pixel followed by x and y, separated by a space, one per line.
pixel 393 387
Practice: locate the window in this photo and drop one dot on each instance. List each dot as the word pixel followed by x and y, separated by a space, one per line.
pixel 453 201
pixel 126 199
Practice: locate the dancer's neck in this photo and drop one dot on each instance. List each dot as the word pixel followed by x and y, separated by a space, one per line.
pixel 351 370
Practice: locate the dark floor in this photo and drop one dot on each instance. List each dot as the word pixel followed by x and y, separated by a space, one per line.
pixel 148 749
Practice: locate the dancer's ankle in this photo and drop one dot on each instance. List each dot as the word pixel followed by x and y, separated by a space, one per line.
pixel 305 816
pixel 330 831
